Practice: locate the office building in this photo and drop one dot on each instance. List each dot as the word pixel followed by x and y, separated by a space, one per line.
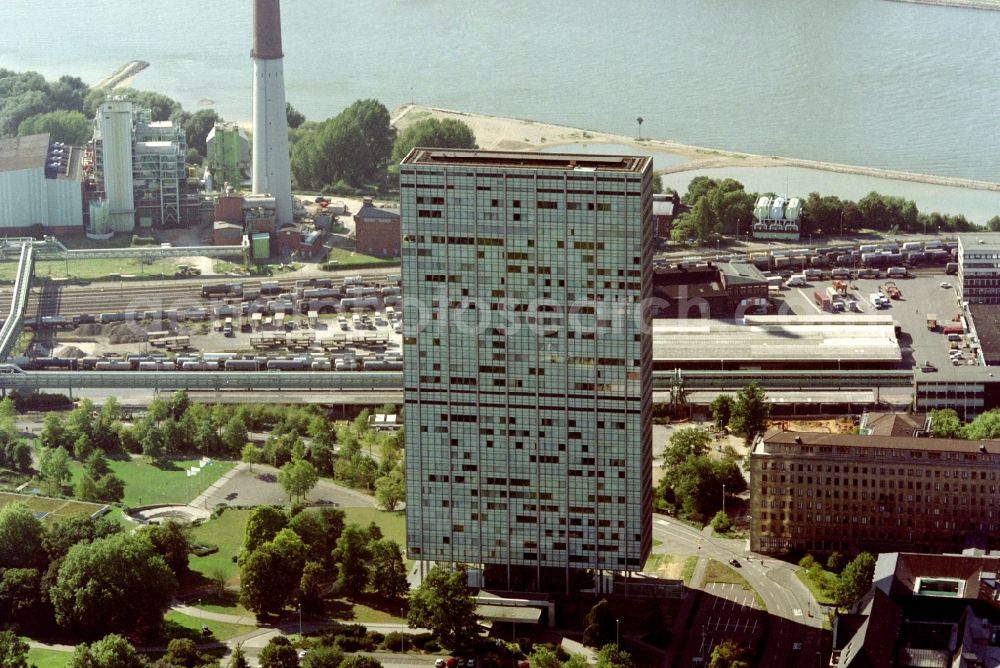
pixel 979 267
pixel 528 361
pixel 819 493
pixel 272 172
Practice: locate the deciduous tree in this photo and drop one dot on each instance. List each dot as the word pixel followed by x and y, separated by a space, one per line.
pixel 13 651
pixel 390 489
pixel 20 538
pixel 387 574
pixel 111 651
pixel 297 478
pixel 263 524
pixel 751 413
pixel 113 584
pixel 279 653
pixel 855 579
pixel 443 604
pixel 433 133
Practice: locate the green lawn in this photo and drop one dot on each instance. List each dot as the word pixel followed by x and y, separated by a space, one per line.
pixel 56 509
pixel 724 574
pixel 148 484
pixel 225 531
pixel 671 566
pixel 347 258
pixel 179 625
pixel 91 269
pixel 48 658
pixel 820 582
pixel 393 524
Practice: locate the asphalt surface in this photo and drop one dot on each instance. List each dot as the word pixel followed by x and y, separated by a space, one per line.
pixel 921 295
pixel 793 618
pixel 260 487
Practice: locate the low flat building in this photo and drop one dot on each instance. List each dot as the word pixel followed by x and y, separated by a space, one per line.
pixel 969 390
pixel 818 493
pixel 777 342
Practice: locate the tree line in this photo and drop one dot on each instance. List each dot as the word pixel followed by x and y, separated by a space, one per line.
pixel 945 423
pixel 720 207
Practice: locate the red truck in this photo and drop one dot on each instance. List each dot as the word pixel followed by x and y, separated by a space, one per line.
pixel 823 301
pixel 953 329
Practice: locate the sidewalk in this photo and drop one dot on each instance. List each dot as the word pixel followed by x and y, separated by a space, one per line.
pixel 202 499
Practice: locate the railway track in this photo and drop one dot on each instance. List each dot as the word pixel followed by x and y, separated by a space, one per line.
pixel 49 298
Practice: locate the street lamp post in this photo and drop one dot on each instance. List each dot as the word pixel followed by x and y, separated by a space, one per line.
pixel 618 633
pixel 723 498
pixel 300 620
pixel 841 223
pixel 402 627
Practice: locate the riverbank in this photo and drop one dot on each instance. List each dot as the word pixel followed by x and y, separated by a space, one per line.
pixel 993 5
pixel 513 134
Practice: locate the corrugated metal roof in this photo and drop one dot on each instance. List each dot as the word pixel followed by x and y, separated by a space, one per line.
pixel 19 153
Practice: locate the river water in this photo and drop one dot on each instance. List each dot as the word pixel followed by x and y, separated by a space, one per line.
pixel 865 82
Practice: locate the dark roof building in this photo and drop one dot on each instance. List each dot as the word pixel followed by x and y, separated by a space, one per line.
pixel 924 610
pixel 708 290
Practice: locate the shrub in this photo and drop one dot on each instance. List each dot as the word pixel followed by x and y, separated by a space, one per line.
pixel 807 562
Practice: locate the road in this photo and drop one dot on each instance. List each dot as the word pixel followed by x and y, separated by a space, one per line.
pixel 793 615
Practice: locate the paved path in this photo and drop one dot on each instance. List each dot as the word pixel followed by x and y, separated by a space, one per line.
pixel 201 501
pixel 793 615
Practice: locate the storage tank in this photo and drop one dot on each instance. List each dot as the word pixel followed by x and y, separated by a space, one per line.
pixel 777 211
pixel 761 208
pixel 793 209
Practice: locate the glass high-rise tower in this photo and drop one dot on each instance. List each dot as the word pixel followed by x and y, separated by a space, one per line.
pixel 527 353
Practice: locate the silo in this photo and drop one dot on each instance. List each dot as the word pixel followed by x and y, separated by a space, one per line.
pixel 777 208
pixel 760 210
pixel 793 209
pixel 114 124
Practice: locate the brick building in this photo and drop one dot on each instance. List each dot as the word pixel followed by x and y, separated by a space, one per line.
pixel 376 230
pixel 818 492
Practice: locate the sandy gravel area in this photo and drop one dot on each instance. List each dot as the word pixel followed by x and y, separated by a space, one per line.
pixel 514 134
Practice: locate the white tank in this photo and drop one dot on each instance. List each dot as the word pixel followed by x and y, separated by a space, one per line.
pixel 793 210
pixel 761 208
pixel 777 208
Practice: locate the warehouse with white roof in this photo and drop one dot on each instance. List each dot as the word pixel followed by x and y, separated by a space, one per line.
pixel 41 183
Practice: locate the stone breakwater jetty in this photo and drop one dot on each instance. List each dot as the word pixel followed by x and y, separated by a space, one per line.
pixel 123 74
pixel 966 4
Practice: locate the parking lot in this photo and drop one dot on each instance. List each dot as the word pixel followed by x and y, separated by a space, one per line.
pixel 921 296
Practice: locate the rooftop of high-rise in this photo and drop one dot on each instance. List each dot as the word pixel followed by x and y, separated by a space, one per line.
pixel 514 160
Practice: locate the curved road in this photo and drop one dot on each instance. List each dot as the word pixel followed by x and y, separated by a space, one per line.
pixel 795 619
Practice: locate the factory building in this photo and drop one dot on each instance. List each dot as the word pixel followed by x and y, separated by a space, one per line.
pixel 528 384
pixel 228 155
pixel 818 493
pixel 41 183
pixel 141 171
